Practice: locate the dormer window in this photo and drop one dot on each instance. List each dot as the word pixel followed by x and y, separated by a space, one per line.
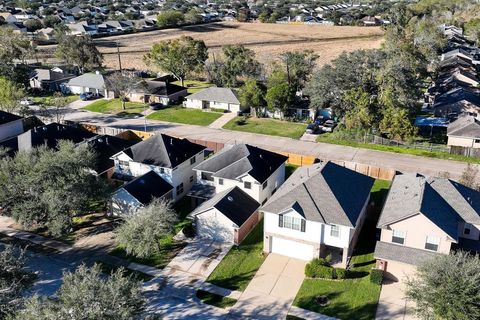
pixel 247 185
pixel 291 223
pixel 335 231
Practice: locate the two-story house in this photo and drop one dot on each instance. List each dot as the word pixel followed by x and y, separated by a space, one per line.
pixel 423 217
pixel 171 158
pixel 319 210
pixel 256 171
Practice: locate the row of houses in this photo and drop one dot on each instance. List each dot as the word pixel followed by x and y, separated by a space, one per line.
pixel 319 210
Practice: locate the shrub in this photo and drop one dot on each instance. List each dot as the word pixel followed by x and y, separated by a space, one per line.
pixel 376 276
pixel 189 231
pixel 317 269
pixel 341 273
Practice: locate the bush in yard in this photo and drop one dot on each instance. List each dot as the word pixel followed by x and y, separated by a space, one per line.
pixel 142 231
pixel 376 276
pixel 317 268
pixel 341 273
pixel 87 294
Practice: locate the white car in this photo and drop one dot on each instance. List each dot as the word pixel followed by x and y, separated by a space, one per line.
pixel 26 102
pixel 328 126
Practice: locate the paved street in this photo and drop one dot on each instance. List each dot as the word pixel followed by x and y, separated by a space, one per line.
pixel 400 162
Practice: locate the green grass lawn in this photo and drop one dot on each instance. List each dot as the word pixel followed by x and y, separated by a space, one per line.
pixel 215 299
pixel 114 106
pixel 326 138
pixel 241 263
pixel 194 85
pixel 289 169
pixel 48 99
pixel 108 269
pixel 267 126
pixel 184 115
pixel 357 297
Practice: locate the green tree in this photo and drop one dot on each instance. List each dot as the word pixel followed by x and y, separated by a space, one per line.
pixel 33 25
pixel 193 16
pixel 278 98
pixel 122 84
pixel 360 116
pixel 87 294
pixel 470 177
pixel 298 67
pixel 170 18
pixel 180 56
pixel 447 287
pixel 80 51
pixel 50 21
pixel 263 17
pixel 10 95
pixel 252 96
pixel 13 279
pixel 396 124
pixel 143 230
pixel 55 108
pixel 46 188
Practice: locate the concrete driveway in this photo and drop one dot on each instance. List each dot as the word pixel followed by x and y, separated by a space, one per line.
pixel 271 292
pixel 392 304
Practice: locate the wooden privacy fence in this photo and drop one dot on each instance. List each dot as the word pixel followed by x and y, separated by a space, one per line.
pixel 295 159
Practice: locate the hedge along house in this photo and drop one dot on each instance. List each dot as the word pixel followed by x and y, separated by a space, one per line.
pixel 228 217
pixel 319 210
pixel 139 193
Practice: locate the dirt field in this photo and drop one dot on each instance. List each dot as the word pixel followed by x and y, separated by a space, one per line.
pixel 267 40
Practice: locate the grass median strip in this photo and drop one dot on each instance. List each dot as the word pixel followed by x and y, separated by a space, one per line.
pixel 214 299
pixel 241 263
pixel 267 126
pixel 184 115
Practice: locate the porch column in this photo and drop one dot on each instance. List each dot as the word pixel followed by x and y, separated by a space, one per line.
pixel 344 257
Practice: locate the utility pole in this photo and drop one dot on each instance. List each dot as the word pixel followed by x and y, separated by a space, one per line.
pixel 119 59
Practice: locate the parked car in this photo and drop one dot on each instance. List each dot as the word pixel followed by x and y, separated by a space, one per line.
pixel 26 102
pixel 312 128
pixel 87 96
pixel 156 106
pixel 328 126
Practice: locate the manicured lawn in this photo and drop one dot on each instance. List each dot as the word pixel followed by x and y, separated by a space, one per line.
pixel 215 299
pixel 241 263
pixel 184 115
pixel 114 106
pixel 326 138
pixel 289 169
pixel 194 85
pixel 108 269
pixel 48 99
pixel 357 297
pixel 267 126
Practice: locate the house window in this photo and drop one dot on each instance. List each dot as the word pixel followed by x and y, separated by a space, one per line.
pixel 264 185
pixel 180 188
pixel 477 140
pixel 191 178
pixel 432 243
pixel 207 176
pixel 398 237
pixel 247 185
pixel 467 228
pixel 292 223
pixel 162 170
pixel 220 181
pixel 334 231
pixel 192 160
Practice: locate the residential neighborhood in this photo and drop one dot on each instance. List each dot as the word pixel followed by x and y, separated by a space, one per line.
pixel 211 180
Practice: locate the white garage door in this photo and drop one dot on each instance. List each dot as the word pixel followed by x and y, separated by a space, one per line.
pixel 209 227
pixel 292 249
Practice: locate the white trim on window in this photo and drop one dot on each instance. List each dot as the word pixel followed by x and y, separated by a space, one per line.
pixel 335 231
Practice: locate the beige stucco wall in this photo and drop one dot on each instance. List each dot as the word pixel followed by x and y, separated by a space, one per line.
pixel 416 229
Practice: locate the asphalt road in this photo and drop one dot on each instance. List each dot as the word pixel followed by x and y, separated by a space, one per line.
pixel 323 151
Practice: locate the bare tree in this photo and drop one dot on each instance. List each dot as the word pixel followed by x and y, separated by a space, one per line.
pixel 123 84
pixel 469 177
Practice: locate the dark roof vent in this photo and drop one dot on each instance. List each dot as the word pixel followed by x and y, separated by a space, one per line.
pixel 100 140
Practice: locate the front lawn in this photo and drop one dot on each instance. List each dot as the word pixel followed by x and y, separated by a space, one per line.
pixel 241 263
pixel 48 99
pixel 267 126
pixel 215 299
pixel 184 115
pixel 356 297
pixel 194 85
pixel 114 106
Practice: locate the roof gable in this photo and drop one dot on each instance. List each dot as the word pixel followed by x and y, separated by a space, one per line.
pixel 222 95
pixel 148 186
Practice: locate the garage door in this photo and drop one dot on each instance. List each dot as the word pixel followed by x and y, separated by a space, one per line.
pixel 292 249
pixel 208 227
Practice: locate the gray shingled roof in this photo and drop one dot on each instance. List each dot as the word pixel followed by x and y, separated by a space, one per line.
pixel 326 193
pixel 464 126
pixel 238 160
pixel 404 254
pixel 442 201
pixel 91 80
pixel 223 95
pixel 233 203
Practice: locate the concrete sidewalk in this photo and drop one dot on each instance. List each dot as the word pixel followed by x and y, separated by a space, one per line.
pixel 223 120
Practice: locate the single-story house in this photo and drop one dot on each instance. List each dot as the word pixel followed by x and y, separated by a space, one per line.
pixel 90 82
pixel 214 98
pixel 464 132
pixel 319 210
pixel 227 217
pixel 139 193
pixel 11 125
pixel 49 79
pixel 158 91
pixel 424 217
